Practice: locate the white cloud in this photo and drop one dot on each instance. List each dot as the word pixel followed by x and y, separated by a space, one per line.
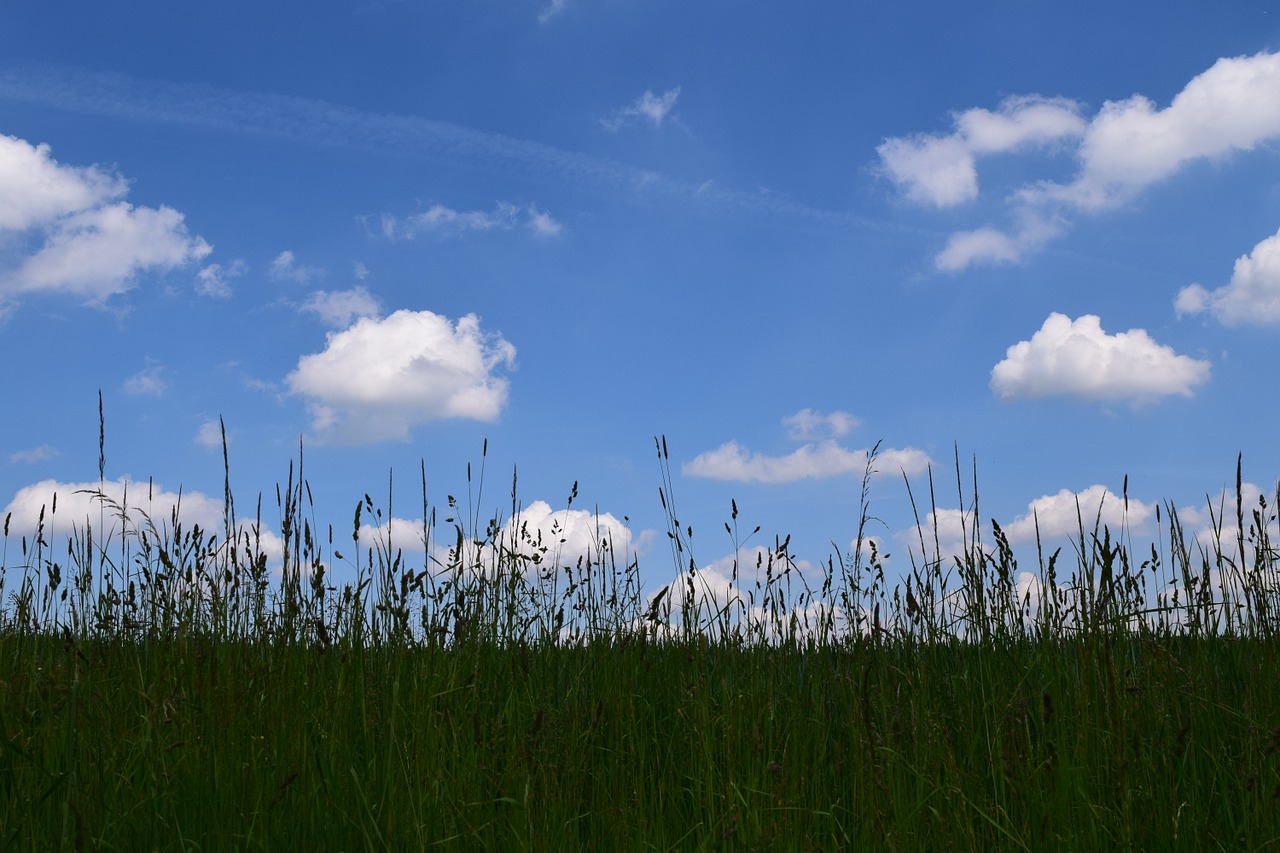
pixel 942 169
pixel 1077 358
pixel 654 108
pixel 379 378
pixel 1131 144
pixel 285 267
pixel 552 539
pixel 815 460
pixel 1251 297
pixel 35 454
pixel 78 504
pixel 215 279
pixel 96 253
pixel 36 190
pixel 954 530
pixel 209 435
pixel 1127 146
pixel 90 242
pixel 984 245
pixel 806 425
pixel 819 457
pixel 551 10
pixel 1061 515
pixel 149 380
pixel 340 307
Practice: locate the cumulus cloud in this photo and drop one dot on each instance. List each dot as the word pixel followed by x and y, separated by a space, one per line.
pixel 941 170
pixel 81 503
pixel 379 378
pixel 74 232
pixel 732 589
pixel 820 457
pixel 1251 297
pixel 39 190
pixel 285 267
pixel 1130 144
pixel 1077 358
pixel 446 221
pixel 946 534
pixel 650 107
pixel 1061 515
pixel 340 307
pixel 1127 146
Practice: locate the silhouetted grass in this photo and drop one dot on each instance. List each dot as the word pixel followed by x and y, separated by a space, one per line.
pixel 167 687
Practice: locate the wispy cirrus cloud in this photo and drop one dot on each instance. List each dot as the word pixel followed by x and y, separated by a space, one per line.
pixel 447 221
pixel 312 122
pixel 35 454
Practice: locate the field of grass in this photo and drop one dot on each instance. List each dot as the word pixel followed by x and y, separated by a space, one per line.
pixel 170 688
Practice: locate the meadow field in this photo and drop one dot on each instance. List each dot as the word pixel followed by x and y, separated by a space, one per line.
pixel 165 687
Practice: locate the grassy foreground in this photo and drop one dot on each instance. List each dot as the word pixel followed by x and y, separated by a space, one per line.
pixel 164 688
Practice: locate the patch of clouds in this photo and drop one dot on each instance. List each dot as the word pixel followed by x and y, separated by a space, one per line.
pixel 941 169
pixel 1076 358
pixel 1063 515
pixel 214 280
pixel 548 540
pixel 380 378
pixel 1127 146
pixel 73 233
pixel 1252 296
pixel 340 308
pixel 819 457
pixel 1131 144
pixel 647 107
pixel 148 381
pixel 285 267
pixel 752 594
pixel 70 506
pixel 35 454
pixel 947 534
pixel 446 221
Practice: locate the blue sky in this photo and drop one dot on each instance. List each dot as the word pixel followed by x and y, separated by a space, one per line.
pixel 1043 234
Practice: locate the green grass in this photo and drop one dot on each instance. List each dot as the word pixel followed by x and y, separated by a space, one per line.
pixel 165 688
